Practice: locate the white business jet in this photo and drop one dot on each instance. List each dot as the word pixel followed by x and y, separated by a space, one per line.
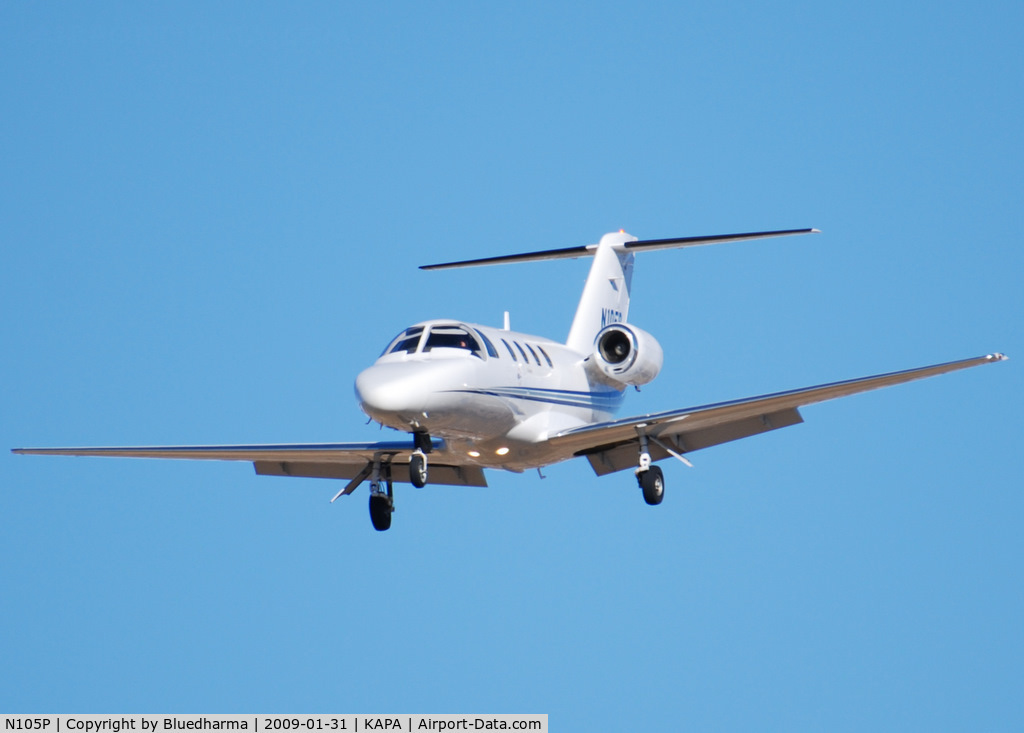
pixel 476 397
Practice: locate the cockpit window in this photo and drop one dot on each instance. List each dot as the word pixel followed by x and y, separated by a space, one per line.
pixel 491 351
pixel 406 341
pixel 451 337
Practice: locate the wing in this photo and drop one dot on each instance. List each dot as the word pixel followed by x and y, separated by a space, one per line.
pixel 613 446
pixel 317 460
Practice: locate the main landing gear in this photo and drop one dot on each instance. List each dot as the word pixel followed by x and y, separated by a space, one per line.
pixel 650 478
pixel 382 503
pixel 382 500
pixel 652 482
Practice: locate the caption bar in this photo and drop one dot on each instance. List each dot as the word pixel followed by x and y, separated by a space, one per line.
pixel 348 723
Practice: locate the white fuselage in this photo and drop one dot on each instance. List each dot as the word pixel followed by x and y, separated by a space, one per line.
pixel 494 396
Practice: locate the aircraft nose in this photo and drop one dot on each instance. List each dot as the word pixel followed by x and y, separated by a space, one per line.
pixel 388 389
pixel 407 392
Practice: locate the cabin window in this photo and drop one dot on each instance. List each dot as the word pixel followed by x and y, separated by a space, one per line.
pixel 406 341
pixel 513 354
pixel 451 337
pixel 534 353
pixel 546 357
pixel 491 351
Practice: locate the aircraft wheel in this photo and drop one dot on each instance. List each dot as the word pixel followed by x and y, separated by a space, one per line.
pixel 381 507
pixel 652 481
pixel 418 470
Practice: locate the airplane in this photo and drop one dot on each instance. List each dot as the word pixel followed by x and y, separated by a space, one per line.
pixel 473 397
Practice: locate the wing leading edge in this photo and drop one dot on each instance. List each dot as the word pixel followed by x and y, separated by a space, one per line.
pixel 313 460
pixel 612 446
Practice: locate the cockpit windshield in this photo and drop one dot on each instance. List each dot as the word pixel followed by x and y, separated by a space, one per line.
pixel 438 336
pixel 406 341
pixel 451 337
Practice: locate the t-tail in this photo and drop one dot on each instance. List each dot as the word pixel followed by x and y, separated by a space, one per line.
pixel 605 298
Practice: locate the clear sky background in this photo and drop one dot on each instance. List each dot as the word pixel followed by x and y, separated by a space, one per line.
pixel 211 218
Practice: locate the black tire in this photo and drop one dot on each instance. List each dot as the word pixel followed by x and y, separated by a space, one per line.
pixel 380 511
pixel 418 470
pixel 652 481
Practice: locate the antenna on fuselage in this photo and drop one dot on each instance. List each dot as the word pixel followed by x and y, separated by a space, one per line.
pixel 508 323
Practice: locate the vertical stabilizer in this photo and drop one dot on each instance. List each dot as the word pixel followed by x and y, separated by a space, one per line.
pixel 605 294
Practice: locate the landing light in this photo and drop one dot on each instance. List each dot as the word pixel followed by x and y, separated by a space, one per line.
pixel 474 454
pixel 502 451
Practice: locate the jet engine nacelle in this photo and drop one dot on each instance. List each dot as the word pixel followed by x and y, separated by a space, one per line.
pixel 627 354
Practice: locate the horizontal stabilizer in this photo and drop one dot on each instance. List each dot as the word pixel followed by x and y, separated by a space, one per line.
pixel 547 254
pixel 589 249
pixel 650 244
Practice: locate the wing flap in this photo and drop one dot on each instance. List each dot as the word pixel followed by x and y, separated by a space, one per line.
pixel 619 457
pixel 309 469
pixel 439 474
pixel 726 432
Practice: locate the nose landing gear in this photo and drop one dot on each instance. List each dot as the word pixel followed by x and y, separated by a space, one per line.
pixel 418 460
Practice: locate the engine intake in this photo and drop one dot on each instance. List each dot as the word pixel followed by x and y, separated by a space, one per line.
pixel 627 354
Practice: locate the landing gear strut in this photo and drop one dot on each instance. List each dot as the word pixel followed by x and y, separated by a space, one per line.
pixel 378 471
pixel 650 478
pixel 421 439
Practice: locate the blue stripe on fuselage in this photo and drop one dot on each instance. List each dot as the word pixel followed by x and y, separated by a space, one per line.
pixel 609 400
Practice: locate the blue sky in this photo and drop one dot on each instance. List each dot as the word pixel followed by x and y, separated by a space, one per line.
pixel 211 218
